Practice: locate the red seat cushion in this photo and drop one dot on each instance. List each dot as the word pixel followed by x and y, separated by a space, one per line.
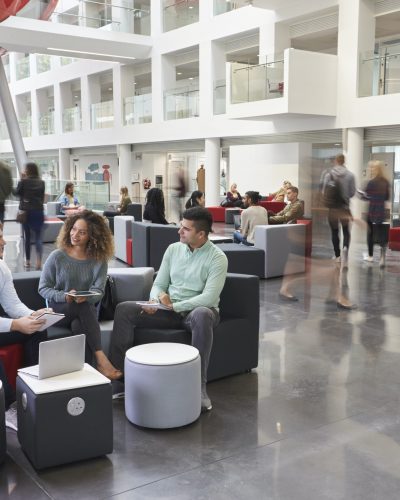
pixel 394 238
pixel 273 206
pixel 12 357
pixel 218 213
pixel 129 257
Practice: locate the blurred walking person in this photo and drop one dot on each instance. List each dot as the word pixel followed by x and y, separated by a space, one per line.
pixel 30 190
pixel 5 187
pixel 338 186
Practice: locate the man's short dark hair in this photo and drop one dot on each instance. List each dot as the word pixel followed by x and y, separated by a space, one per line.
pixel 254 196
pixel 294 189
pixel 201 217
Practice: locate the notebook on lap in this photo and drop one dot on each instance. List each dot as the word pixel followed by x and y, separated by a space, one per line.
pixel 59 356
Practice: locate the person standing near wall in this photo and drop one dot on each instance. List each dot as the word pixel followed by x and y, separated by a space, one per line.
pixel 376 192
pixel 5 187
pixel 201 179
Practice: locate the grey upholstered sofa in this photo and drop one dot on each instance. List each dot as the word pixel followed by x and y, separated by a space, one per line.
pixel 235 347
pixel 149 242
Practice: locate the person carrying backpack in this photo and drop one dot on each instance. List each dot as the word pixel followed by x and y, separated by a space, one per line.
pixel 338 186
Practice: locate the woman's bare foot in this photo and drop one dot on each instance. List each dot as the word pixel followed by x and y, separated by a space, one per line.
pixel 105 367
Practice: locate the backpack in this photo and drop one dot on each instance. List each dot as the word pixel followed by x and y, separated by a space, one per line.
pixel 332 196
pixel 108 302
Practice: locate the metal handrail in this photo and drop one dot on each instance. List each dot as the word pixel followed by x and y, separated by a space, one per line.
pixel 386 56
pixel 252 66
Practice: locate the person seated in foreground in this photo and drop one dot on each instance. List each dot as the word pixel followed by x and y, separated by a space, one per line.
pixel 20 326
pixel 123 204
pixel 253 215
pixel 189 282
pixel 294 209
pixel 196 200
pixel 84 247
pixel 154 209
pixel 69 201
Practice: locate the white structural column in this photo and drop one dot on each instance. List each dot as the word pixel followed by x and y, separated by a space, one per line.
pixel 64 164
pixel 11 120
pixel 353 142
pixel 206 80
pixel 212 166
pixel 125 165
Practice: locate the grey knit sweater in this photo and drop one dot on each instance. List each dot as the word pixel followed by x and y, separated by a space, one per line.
pixel 62 273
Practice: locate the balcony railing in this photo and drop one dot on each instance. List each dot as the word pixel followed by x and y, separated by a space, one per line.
pixel 223 6
pixel 102 115
pixel 72 119
pixel 43 63
pixel 256 82
pixel 22 69
pixel 181 103
pixel 46 123
pixel 137 109
pixel 380 72
pixel 219 97
pixel 113 15
pixel 25 125
pixel 178 13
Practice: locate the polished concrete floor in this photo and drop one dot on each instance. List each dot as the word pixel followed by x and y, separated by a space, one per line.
pixel 318 419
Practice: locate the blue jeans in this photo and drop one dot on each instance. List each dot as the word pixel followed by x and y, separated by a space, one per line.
pixel 239 238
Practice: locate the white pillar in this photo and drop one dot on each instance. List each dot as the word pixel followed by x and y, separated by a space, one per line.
pixel 212 154
pixel 353 145
pixel 64 168
pixel 125 166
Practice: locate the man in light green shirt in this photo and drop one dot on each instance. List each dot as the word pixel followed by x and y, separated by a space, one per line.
pixel 189 284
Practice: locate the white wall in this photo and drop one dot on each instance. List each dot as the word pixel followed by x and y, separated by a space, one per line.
pixel 263 167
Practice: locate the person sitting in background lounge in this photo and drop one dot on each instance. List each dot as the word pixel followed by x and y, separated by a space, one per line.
pixel 233 198
pixel 123 204
pixel 154 209
pixel 196 200
pixel 281 193
pixel 69 202
pixel 293 210
pixel 253 215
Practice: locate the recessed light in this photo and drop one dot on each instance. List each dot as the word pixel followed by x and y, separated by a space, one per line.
pixel 338 144
pixel 76 97
pixel 109 88
pixel 190 77
pixel 179 73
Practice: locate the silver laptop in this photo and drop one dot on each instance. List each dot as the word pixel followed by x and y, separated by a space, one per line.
pixel 57 357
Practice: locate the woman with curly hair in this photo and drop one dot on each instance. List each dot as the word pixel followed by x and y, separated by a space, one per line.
pixel 154 209
pixel 84 245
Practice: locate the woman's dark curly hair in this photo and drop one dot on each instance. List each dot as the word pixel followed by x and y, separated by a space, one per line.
pixel 155 198
pixel 101 243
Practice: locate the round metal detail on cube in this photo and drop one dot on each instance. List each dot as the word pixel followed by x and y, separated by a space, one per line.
pixel 76 406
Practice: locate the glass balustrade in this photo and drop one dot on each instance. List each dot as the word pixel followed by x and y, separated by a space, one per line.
pixel 137 109
pixel 113 15
pixel 43 63
pixel 379 72
pixel 93 194
pixel 3 131
pixel 72 119
pixel 22 69
pixel 102 115
pixel 46 123
pixel 222 6
pixel 25 125
pixel 178 13
pixel 181 103
pixel 256 82
pixel 219 97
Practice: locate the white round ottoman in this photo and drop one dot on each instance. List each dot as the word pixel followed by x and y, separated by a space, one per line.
pixel 162 385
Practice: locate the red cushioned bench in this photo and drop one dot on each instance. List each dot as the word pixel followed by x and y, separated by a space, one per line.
pixel 12 358
pixel 394 238
pixel 218 213
pixel 273 206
